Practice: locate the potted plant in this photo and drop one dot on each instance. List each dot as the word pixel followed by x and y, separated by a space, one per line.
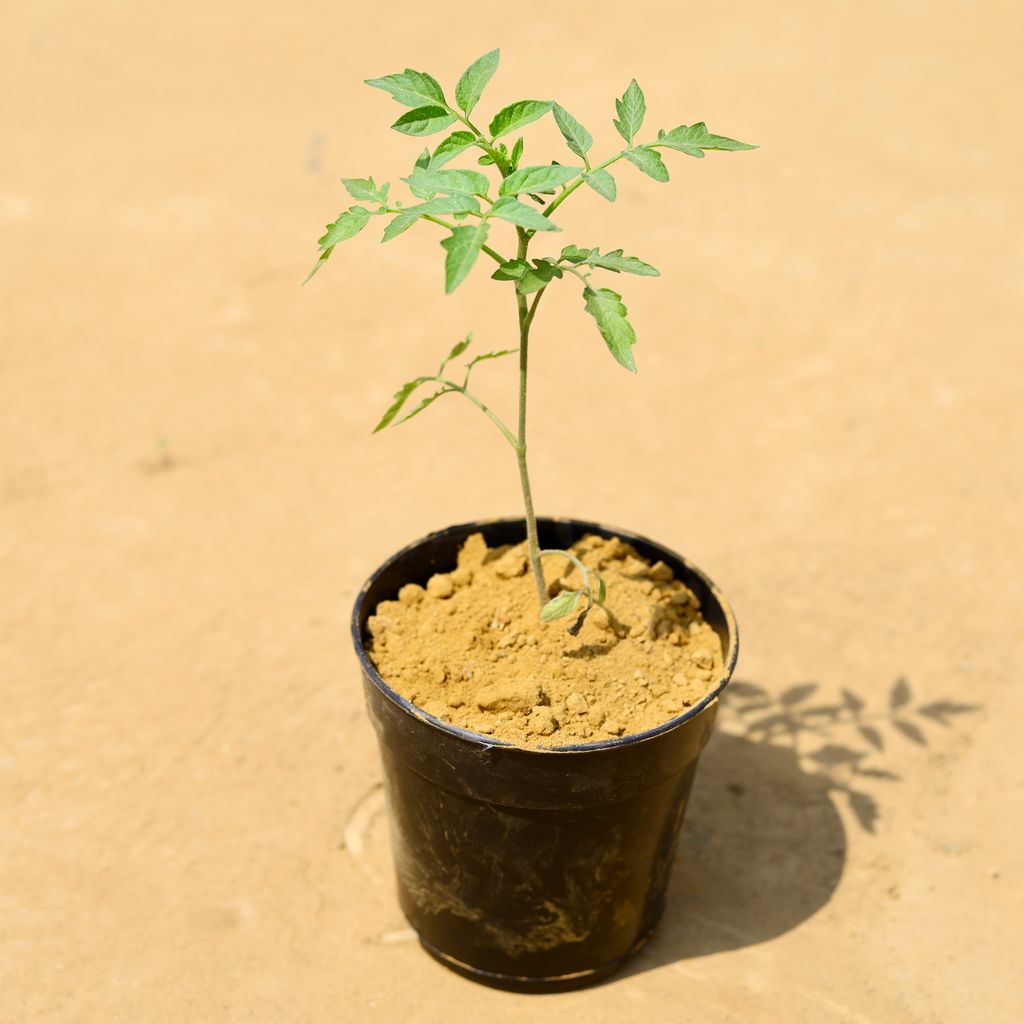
pixel 537 775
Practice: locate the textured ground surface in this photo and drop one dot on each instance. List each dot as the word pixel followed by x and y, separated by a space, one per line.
pixel 827 418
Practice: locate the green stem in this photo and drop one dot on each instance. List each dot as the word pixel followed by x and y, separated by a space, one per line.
pixel 526 314
pixel 498 422
pixel 569 189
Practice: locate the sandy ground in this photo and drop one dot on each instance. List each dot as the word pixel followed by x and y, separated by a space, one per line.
pixel 827 418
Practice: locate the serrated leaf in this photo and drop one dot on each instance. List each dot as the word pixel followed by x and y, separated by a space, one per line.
pixel 618 263
pixel 462 247
pixel 540 179
pixel 401 396
pixel 631 109
pixel 517 152
pixel 449 148
pixel 577 138
pixel 649 161
pixel 519 213
pixel 366 189
pixel 457 350
pixel 474 80
pixel 483 356
pixel 513 117
pixel 456 204
pixel 900 694
pixel 574 254
pixel 537 276
pixel 400 224
pixel 423 121
pixel 606 307
pixel 695 138
pixel 510 270
pixel 429 400
pixel 349 223
pixel 428 182
pixel 602 183
pixel 561 606
pixel 411 88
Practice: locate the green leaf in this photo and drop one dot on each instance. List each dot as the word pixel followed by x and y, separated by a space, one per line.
pixel 510 270
pixel 349 223
pixel 577 138
pixel 545 178
pixel 450 148
pixel 411 88
pixel 400 224
pixel 517 152
pixel 693 140
pixel 574 254
pixel 602 183
pixel 462 246
pixel 429 400
pixel 427 182
pixel 401 395
pixel 602 591
pixel 474 80
pixel 519 213
pixel 631 110
pixel 649 161
pixel 489 355
pixel 561 606
pixel 441 204
pixel 423 121
pixel 457 350
pixel 423 160
pixel 513 117
pixel 366 189
pixel 617 262
pixel 538 276
pixel 606 307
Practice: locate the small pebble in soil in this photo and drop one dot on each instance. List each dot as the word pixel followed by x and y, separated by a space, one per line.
pixel 411 593
pixel 613 728
pixel 440 585
pixel 542 721
pixel 701 657
pixel 577 704
pixel 510 695
pixel 461 577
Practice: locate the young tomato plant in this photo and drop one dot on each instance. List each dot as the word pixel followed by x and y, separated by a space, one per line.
pixel 467 206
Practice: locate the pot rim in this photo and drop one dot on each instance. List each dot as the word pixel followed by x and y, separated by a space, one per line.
pixel 487 742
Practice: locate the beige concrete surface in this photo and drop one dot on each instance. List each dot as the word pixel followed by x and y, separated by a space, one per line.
pixel 827 418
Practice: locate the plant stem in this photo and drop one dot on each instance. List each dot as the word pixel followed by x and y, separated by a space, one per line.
pixel 525 320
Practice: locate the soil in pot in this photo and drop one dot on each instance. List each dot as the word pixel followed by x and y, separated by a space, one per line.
pixel 468 648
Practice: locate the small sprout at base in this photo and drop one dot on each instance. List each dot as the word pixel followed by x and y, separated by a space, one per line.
pixel 561 606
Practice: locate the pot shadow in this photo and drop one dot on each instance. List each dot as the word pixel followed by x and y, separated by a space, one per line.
pixel 762 849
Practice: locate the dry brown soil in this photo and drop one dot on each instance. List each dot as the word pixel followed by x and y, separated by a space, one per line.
pixel 469 648
pixel 827 418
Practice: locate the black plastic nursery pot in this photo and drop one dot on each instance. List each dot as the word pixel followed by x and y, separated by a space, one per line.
pixel 525 868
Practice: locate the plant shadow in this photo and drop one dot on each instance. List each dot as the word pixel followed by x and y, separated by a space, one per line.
pixel 763 846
